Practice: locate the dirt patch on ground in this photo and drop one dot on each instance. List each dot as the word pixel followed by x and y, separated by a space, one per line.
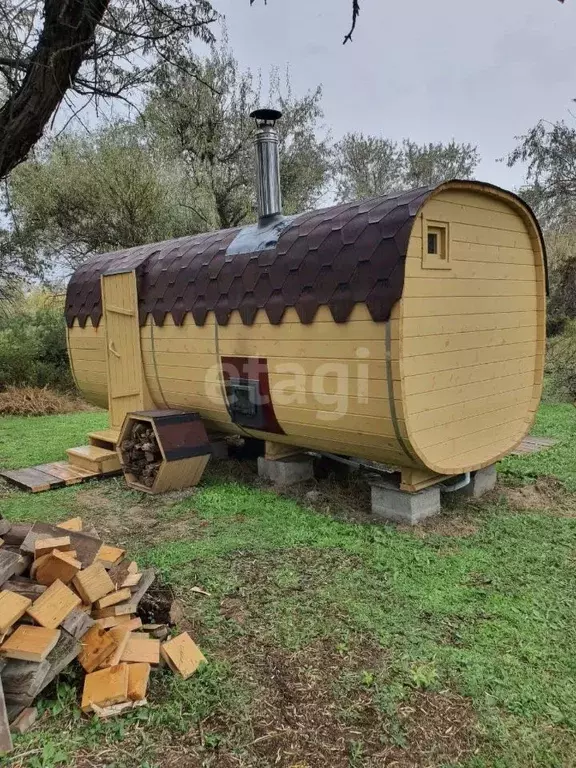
pixel 335 491
pixel 439 727
pixel 298 720
pixel 338 493
pixel 301 719
pixel 111 509
pixel 443 525
pixel 545 495
pixel 114 520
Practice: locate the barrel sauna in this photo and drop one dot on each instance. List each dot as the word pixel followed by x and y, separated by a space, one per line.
pixel 407 329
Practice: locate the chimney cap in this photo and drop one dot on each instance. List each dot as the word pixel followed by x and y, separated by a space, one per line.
pixel 264 116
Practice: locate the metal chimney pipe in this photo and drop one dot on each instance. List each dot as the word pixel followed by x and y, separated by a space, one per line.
pixel 267 164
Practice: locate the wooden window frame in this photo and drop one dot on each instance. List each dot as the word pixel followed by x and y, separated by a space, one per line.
pixel 440 260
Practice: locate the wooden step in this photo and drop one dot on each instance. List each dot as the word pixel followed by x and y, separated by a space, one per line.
pixel 94 458
pixel 105 438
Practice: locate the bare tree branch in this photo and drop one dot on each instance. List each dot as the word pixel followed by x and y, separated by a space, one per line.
pixel 355 14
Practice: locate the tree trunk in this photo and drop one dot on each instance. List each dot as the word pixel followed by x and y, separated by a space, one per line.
pixel 66 37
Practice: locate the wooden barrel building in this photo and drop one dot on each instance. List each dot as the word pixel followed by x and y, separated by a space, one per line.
pixel 407 329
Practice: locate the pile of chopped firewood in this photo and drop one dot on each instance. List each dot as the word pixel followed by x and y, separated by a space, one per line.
pixel 141 455
pixel 66 595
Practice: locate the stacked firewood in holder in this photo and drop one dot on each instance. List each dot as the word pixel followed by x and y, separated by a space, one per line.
pixel 163 451
pixel 141 454
pixel 65 595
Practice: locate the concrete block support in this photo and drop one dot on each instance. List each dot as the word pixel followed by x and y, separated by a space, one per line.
pixel 481 482
pixel 283 472
pixel 399 506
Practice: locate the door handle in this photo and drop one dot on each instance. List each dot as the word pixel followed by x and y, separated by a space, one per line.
pixel 112 349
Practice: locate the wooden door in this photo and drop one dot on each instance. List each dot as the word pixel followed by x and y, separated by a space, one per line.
pixel 127 389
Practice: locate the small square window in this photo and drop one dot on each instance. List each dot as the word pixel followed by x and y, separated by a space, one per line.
pixel 432 243
pixel 436 250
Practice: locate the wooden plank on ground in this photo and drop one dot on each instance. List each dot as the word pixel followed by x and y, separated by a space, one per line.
pixel 5 737
pixel 30 643
pixel 70 554
pixel 47 546
pixel 24 677
pixel 109 621
pixel 144 585
pixel 12 608
pixel 138 676
pixel 132 580
pixel 31 479
pixel 25 720
pixel 93 583
pixel 9 564
pixel 131 606
pixel 125 621
pixel 131 624
pixel 120 596
pixel 57 566
pixel 120 635
pixel 182 655
pixel 105 687
pixel 141 649
pixel 58 659
pixel 23 586
pixel 74 524
pixel 532 444
pixel 77 623
pixel 69 474
pixel 16 534
pixel 122 609
pixel 119 573
pixel 86 546
pixel 97 646
pixel 110 556
pixel 65 651
pixel 51 608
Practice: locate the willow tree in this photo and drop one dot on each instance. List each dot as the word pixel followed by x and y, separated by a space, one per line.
pixel 203 124
pixel 185 165
pixel 82 51
pixel 369 165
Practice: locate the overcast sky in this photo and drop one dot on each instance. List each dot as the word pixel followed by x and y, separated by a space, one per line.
pixel 481 71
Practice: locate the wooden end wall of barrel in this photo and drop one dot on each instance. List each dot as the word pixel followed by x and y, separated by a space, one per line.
pixel 407 329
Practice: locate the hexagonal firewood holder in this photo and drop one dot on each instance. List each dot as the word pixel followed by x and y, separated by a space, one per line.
pixel 181 454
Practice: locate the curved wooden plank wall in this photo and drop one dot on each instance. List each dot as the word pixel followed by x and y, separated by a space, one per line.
pixel 465 344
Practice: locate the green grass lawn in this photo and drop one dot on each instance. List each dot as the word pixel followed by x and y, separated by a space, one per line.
pixel 40 439
pixel 331 640
pixel 558 421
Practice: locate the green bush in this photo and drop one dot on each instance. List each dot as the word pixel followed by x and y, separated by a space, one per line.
pixel 33 348
pixel 561 362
